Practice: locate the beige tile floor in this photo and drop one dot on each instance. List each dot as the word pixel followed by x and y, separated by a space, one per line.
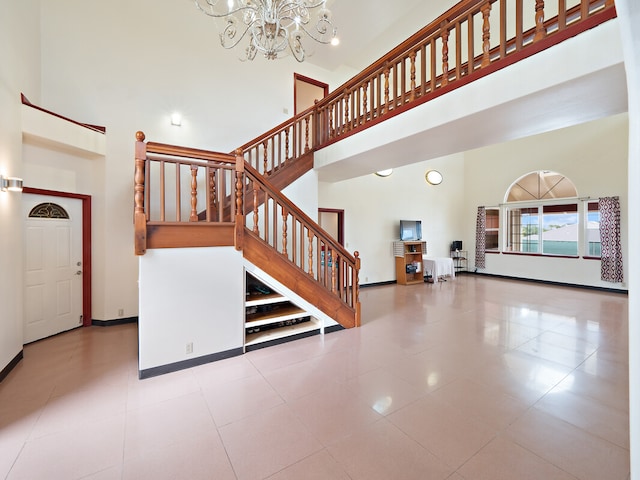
pixel 469 379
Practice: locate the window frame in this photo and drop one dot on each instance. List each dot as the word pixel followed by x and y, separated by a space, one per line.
pixel 493 230
pixel 539 206
pixel 585 229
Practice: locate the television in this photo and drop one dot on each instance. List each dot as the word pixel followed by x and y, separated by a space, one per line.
pixel 410 230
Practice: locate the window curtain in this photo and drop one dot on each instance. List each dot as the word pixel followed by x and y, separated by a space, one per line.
pixel 611 256
pixel 481 223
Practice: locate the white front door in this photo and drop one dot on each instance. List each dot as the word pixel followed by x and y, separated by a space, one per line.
pixel 52 265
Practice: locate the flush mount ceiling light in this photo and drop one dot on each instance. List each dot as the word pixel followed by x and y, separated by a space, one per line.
pixel 433 177
pixel 272 27
pixel 385 173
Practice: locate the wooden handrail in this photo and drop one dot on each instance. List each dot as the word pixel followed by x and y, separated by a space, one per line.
pixel 463 44
pixel 95 128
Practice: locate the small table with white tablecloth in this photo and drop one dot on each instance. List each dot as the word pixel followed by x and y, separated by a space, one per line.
pixel 438 267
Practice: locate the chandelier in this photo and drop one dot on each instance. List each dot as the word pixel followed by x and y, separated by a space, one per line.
pixel 273 27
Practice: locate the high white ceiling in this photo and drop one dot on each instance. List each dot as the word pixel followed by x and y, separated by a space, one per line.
pixel 367 29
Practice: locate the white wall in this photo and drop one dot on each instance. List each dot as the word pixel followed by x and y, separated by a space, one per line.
pixel 593 155
pixel 19 69
pixel 373 207
pixel 157 64
pixel 189 295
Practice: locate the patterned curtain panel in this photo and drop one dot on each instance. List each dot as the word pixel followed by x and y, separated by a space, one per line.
pixel 611 256
pixel 481 222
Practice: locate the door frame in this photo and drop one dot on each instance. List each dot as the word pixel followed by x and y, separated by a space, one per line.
pixel 340 214
pixel 86 245
pixel 316 83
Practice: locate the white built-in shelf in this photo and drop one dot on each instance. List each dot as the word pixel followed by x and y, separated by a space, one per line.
pixel 281 332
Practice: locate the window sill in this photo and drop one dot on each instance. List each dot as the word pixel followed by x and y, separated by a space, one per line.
pixel 548 255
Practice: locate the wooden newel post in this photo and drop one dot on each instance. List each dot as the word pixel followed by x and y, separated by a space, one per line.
pixel 356 288
pixel 239 214
pixel 139 215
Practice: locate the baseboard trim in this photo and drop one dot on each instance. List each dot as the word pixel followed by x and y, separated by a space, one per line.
pixel 333 328
pixel 11 365
pixel 115 321
pixel 549 282
pixel 184 364
pixel 377 284
pixel 280 341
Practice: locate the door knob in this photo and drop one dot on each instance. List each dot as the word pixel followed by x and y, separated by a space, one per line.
pixel 79 272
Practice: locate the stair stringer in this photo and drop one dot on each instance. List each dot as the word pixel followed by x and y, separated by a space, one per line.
pixel 325 320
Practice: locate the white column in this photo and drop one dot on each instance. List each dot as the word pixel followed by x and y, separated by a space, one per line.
pixel 629 15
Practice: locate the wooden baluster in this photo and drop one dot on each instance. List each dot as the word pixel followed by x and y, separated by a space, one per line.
pixel 333 260
pixel 212 193
pixel 285 215
pixel 486 35
pixel 412 58
pixel 286 144
pixel 445 54
pixel 385 106
pixel 306 134
pixel 562 14
pixel 265 160
pixel 331 132
pixel 365 115
pixel 310 237
pixel 162 193
pixel 239 175
pixel 346 110
pixel 541 31
pixel 256 219
pixel 194 194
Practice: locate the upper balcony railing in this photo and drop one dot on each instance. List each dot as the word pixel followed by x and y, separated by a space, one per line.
pixel 469 41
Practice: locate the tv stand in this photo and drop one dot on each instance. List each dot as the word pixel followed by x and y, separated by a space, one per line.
pixel 408 255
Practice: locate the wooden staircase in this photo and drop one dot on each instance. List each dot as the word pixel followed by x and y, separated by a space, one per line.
pixel 245 210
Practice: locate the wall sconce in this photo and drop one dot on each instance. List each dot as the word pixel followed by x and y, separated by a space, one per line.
pixel 176 119
pixel 385 173
pixel 433 177
pixel 11 184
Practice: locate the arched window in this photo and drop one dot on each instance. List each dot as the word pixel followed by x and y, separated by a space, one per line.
pixel 544 215
pixel 541 185
pixel 48 210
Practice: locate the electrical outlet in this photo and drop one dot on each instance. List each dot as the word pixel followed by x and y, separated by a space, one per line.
pixel 189 348
pixel 121 312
